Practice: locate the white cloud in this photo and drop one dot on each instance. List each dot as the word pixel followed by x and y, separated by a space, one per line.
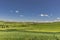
pixel 44 15
pixel 17 11
pixel 58 18
pixel 41 15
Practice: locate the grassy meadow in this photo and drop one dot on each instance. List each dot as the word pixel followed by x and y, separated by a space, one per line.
pixel 29 31
pixel 30 26
pixel 16 35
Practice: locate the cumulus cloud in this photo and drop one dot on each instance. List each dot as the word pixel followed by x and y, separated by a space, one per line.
pixel 44 15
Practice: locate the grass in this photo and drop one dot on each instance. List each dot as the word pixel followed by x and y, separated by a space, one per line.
pixel 29 31
pixel 17 35
pixel 31 26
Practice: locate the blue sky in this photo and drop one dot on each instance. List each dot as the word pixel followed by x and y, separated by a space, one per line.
pixel 29 10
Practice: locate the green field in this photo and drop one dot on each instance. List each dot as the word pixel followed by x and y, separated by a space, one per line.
pixel 17 35
pixel 29 31
pixel 31 26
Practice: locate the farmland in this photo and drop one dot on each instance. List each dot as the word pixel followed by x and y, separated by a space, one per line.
pixel 29 31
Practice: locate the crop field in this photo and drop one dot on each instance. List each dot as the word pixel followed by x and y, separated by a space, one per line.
pixel 29 31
